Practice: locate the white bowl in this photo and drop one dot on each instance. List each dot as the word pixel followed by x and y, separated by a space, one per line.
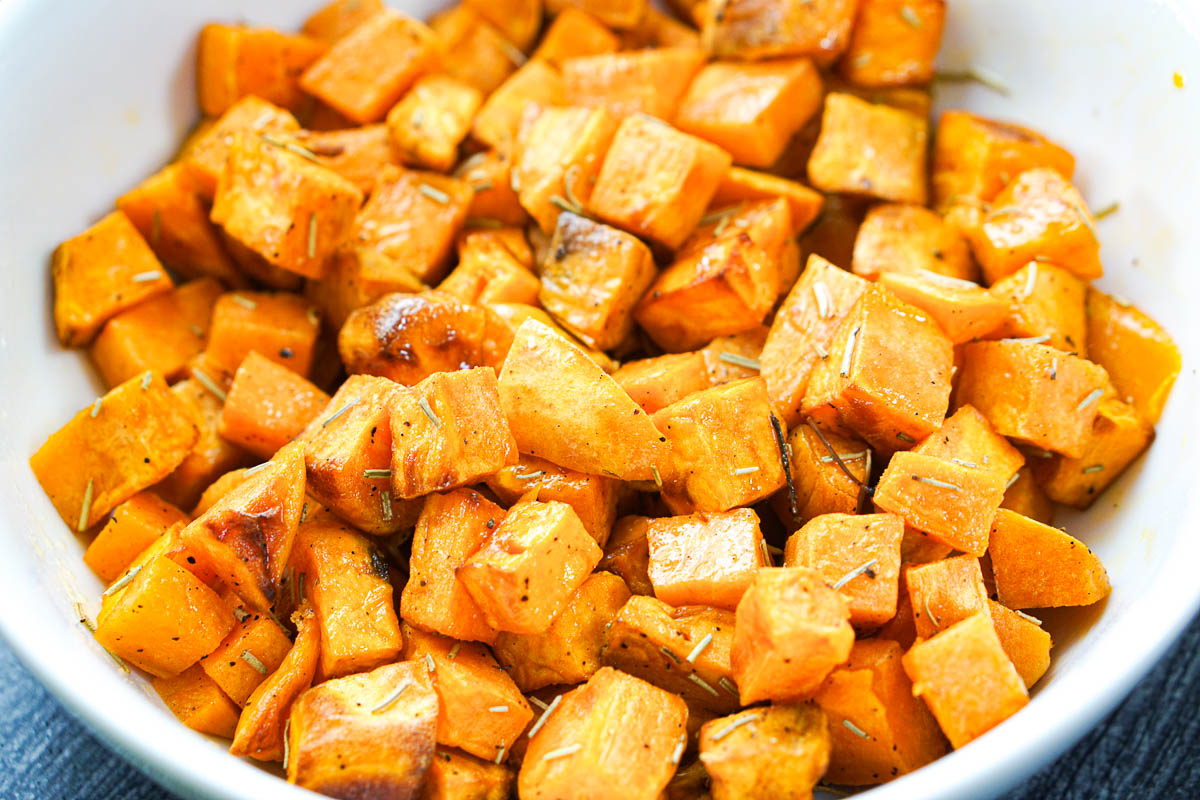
pixel 97 95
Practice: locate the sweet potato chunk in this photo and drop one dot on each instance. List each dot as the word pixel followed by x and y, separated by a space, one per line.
pixel 614 731
pixel 907 239
pixel 1023 640
pixel 449 431
pixel 966 679
pixel 776 751
pixel 568 652
pixel 740 185
pixel 655 383
pixel 253 650
pixel 1044 300
pixel 490 273
pixel 706 558
pixel 651 81
pixel 1138 354
pixel 346 579
pixel 791 631
pixel 155 428
pixel 944 592
pixel 963 310
pixel 683 650
pixel 357 154
pixel 371 733
pixel 879 730
pixel 365 72
pixel 523 576
pixel 211 456
pixel 268 405
pixel 1025 497
pixel 246 537
pixel 724 451
pixel 729 358
pixel 427 125
pixel 280 326
pixel 758 29
pixel 1021 548
pixel 1034 393
pixel 475 51
pixel 135 525
pixel 522 96
pixel 894 43
pixel 207 153
pixel 545 380
pixel 627 553
pixel 594 497
pixel 234 61
pixel 820 484
pixel 967 439
pixel 859 556
pixel 575 33
pixel 456 776
pixel 198 702
pixel 656 181
pixel 751 110
pixel 260 726
pixel 100 273
pixel 870 150
pixel 338 17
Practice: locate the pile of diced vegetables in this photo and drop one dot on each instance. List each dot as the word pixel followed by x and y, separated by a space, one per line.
pixel 603 457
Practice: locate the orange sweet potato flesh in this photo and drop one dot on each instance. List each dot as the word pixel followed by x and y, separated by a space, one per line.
pixel 347 581
pixel 357 154
pixel 337 18
pixel 966 679
pixel 1044 300
pixel 706 558
pixel 757 29
pixel 280 326
pixel 259 732
pixel 134 439
pixel 208 150
pixel 562 406
pixel 135 525
pixel 894 43
pixel 353 737
pixel 1027 645
pixel 1138 354
pixel 741 185
pixel 471 688
pixel 778 751
pixel 450 529
pixel 655 383
pixel 233 61
pixel 904 238
pixel 967 438
pixel 268 406
pixel 627 553
pixel 945 592
pixel 872 692
pixel 964 312
pixel 791 631
pixel 1025 497
pixel 650 81
pixel 594 497
pixel 651 724
pixel 821 486
pixel 457 776
pixel 256 641
pixel 522 95
pixel 575 33
pixel 246 537
pixel 1037 566
pixel 198 702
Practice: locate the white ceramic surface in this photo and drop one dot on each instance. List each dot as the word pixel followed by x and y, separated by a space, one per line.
pixel 95 95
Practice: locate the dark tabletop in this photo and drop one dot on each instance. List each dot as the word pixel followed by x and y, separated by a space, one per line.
pixel 1148 748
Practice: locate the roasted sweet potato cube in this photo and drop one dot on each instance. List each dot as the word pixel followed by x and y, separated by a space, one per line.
pixel 164 619
pixel 490 275
pixel 100 273
pixel 775 751
pixel 791 631
pixel 357 154
pixel 369 733
pixel 167 429
pixel 660 29
pixel 561 406
pixel 619 14
pixel 893 43
pixel 514 314
pixel 944 592
pixel 627 553
pixel 803 331
pixel 159 334
pixel 820 484
pixel 594 497
pixel 264 714
pixel 966 679
pixel 1044 301
pixel 490 176
pixel 167 210
pixel 522 96
pixel 568 652
pixel 656 181
pixel 1039 215
pixel 975 157
pixel 198 702
pixel 135 525
pixel 1034 393
pixel 523 576
pixel 365 72
pixel 480 709
pixel 908 239
pixel 963 310
pixel 268 405
pixel 871 150
pixel 649 81
pixel 729 358
pixel 1020 549
pixel 211 457
pixel 246 537
pixel 859 556
pixel 1025 497
pixel 1119 436
pixel 337 18
pixel 457 776
pixel 751 109
pixel 967 439
pixel 741 185
pixel 207 153
pixel 431 119
pixel 724 451
pixel 449 431
pixel 575 33
pixel 281 327
pixel 511 239
pixel 233 61
pixel 887 377
pixel 757 29
pixel 519 20
pixel 475 52
pixel 253 650
pixel 705 559
pixel 223 485
pixel 1023 640
pixel 952 503
pixel 258 269
pixel 1138 354
pixel 615 730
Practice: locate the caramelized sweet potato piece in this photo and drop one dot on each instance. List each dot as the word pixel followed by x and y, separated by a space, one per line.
pixel 575 33
pixel 944 592
pixel 619 14
pixel 655 383
pixel 1044 300
pixel 268 405
pixel 520 98
pixel 338 17
pixel 706 558
pixel 431 119
pixel 357 154
pixel 1023 640
pixel 820 484
pixel 208 151
pixel 963 310
pixel 893 43
pixel 1024 496
pixel 776 751
pixel 651 81
pixel 741 185
pixel 968 439
pixel 627 553
pixel 1037 566
pixel 594 497
pixel 475 51
pixel 457 776
pixel 210 458
pixel 488 274
pixel 234 61
pixel 282 327
pixel 198 702
pixel 758 29
pixel 134 525
pixel 250 652
pixel 906 239
pixel 1138 354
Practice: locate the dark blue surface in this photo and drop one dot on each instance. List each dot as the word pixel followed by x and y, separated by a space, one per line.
pixel 1148 748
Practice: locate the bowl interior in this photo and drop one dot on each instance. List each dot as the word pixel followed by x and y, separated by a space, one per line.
pixel 98 95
